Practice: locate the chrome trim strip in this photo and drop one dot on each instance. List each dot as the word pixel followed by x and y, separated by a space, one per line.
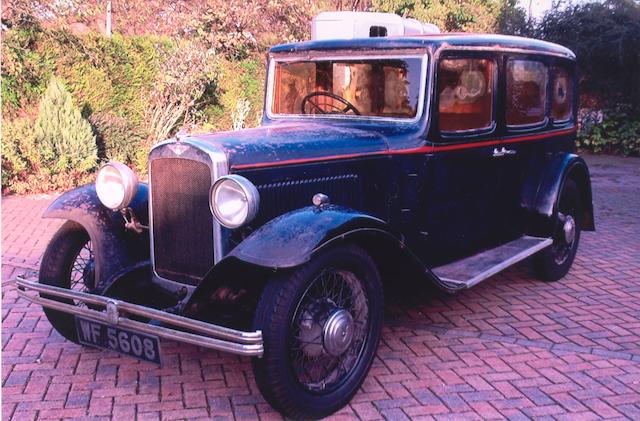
pixel 207 335
pixel 219 167
pixel 310 117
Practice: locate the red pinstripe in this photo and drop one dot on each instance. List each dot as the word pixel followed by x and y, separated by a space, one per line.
pixel 423 149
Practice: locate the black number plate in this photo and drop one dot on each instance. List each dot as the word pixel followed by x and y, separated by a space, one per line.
pixel 124 341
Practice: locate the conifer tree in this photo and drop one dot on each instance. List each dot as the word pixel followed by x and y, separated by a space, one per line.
pixel 66 140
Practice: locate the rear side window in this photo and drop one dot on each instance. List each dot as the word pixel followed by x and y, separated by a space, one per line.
pixel 526 92
pixel 562 95
pixel 465 94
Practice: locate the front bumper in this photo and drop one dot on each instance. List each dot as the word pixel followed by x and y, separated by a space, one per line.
pixel 115 312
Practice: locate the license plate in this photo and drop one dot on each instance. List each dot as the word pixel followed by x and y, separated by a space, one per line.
pixel 134 344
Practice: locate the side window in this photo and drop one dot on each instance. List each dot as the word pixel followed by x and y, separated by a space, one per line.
pixel 562 95
pixel 465 94
pixel 526 92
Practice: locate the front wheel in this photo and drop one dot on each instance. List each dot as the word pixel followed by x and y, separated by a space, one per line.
pixel 68 262
pixel 321 325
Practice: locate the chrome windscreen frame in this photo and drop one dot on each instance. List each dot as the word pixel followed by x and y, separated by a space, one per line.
pixel 193 149
pixel 421 54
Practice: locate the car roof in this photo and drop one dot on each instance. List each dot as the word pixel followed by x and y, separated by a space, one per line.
pixel 444 40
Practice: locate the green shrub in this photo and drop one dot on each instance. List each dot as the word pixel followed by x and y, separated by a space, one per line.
pixel 103 74
pixel 611 131
pixel 23 167
pixel 117 138
pixel 20 155
pixel 239 86
pixel 65 137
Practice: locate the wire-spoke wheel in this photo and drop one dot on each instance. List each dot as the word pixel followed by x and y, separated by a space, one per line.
pixel 329 330
pixel 321 325
pixel 555 261
pixel 68 263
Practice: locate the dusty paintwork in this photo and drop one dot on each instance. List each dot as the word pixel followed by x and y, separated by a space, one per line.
pixel 115 248
pixel 286 141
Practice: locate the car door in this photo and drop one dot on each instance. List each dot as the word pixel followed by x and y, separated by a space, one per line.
pixel 526 116
pixel 459 205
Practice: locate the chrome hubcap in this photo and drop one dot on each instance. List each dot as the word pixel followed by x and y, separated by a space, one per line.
pixel 569 228
pixel 338 332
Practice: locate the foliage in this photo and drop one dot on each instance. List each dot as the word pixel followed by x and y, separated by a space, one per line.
pixel 23 166
pixel 66 140
pixel 453 15
pixel 185 76
pixel 20 154
pixel 239 115
pixel 606 39
pixel 238 28
pixel 611 131
pixel 239 93
pixel 117 138
pixel 113 74
pixel 513 20
pixel 234 28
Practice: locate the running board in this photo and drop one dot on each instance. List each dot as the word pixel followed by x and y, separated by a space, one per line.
pixel 472 270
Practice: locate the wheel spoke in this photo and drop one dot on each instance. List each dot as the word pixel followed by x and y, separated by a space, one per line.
pixel 82 260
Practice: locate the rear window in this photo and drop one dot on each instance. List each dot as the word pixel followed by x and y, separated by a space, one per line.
pixel 526 92
pixel 562 95
pixel 465 94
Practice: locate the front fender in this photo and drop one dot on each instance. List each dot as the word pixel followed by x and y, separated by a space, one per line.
pixel 290 239
pixel 115 248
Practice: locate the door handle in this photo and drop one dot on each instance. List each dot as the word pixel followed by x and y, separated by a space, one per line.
pixel 502 152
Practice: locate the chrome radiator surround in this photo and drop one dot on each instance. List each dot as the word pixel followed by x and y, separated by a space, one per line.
pixel 191 149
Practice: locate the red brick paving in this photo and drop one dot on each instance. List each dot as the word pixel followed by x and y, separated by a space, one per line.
pixel 513 347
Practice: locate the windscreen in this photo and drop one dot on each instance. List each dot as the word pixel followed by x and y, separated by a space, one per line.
pixel 371 87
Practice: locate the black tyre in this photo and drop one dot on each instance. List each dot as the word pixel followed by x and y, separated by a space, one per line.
pixel 321 326
pixel 68 263
pixel 555 261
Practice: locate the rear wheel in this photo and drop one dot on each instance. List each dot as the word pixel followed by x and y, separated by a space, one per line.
pixel 68 262
pixel 321 325
pixel 555 261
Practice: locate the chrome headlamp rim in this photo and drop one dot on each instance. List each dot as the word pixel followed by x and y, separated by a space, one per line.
pixel 250 193
pixel 129 183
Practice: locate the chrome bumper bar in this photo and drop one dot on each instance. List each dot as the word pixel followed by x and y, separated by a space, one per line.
pixel 115 311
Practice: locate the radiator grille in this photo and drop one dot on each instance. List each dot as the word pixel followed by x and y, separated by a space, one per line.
pixel 182 221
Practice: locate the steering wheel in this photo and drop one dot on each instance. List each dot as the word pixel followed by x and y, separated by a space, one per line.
pixel 310 99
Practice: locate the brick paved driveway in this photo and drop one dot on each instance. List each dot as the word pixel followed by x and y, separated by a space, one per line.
pixel 512 347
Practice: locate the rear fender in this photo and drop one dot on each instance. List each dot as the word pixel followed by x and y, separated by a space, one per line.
pixel 541 196
pixel 115 248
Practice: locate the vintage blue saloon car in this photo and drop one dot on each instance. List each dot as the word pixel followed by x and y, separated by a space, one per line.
pixel 450 154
